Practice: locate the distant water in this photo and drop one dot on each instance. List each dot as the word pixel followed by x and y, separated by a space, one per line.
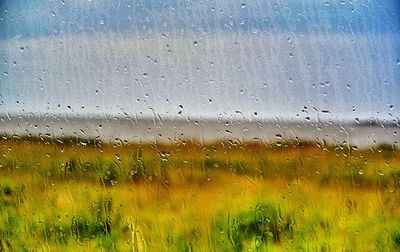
pixel 363 134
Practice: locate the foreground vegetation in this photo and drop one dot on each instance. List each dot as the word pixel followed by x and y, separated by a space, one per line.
pixel 227 196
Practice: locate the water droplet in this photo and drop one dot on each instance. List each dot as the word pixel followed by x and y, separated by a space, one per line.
pixel 243 5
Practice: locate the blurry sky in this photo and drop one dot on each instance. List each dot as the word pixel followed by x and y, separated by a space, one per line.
pixel 218 58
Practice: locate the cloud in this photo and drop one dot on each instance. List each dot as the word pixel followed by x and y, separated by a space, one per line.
pixel 224 73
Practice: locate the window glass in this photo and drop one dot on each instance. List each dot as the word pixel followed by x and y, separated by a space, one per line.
pixel 218 125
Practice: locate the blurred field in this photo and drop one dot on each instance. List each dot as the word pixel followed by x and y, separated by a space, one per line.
pixel 227 196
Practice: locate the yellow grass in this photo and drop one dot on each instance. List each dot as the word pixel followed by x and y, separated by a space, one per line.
pixel 339 199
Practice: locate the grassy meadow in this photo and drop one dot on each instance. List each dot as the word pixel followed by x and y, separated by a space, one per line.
pixel 228 196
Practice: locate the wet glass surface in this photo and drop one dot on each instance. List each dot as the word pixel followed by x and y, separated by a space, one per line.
pixel 199 125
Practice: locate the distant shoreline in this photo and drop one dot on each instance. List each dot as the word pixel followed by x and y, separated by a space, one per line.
pixel 371 121
pixel 166 130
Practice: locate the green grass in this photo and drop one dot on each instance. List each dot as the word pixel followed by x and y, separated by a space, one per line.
pixel 69 196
